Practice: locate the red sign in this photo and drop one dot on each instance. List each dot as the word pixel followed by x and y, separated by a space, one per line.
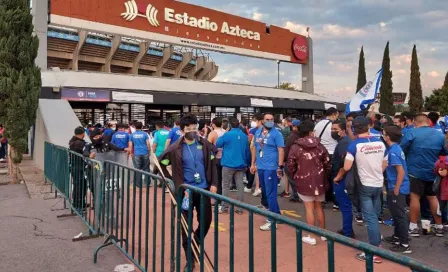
pixel 179 23
pixel 300 48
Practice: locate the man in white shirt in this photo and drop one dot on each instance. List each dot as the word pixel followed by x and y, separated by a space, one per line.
pixel 323 131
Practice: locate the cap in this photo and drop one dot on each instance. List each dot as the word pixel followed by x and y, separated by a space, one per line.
pixel 295 122
pixel 361 121
pixel 79 130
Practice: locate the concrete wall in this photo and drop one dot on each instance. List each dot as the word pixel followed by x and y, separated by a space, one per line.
pixel 40 137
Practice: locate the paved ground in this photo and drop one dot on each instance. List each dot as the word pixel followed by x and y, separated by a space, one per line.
pixel 33 239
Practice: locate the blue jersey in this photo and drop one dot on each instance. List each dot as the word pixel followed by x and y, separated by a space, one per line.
pixel 374 133
pixel 120 139
pixel 267 145
pixel 138 139
pixel 174 135
pixel 193 165
pixel 396 157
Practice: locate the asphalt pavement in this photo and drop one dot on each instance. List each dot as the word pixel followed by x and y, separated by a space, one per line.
pixel 33 239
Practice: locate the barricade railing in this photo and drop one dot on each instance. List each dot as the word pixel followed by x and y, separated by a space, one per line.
pixel 134 217
pixel 195 245
pixel 78 180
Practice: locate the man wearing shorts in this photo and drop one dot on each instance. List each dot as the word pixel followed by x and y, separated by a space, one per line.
pixel 423 145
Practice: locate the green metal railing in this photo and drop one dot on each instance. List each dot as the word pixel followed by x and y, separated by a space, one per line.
pixel 133 217
pixel 130 216
pixel 299 227
pixel 78 180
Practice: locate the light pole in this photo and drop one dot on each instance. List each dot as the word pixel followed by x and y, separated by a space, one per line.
pixel 278 74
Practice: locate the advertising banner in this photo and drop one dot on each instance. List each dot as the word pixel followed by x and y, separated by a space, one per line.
pixel 183 24
pixel 85 95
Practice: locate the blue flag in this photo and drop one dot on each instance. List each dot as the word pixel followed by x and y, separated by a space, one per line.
pixel 366 95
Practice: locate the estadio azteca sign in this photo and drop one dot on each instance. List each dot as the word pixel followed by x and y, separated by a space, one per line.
pixel 183 24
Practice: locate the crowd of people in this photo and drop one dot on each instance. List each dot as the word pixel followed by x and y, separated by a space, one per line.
pixel 349 162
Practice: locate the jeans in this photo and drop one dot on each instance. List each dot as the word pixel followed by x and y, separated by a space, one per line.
pixel 141 162
pixel 345 206
pixel 397 205
pixel 3 150
pixel 370 201
pixel 229 174
pixel 269 185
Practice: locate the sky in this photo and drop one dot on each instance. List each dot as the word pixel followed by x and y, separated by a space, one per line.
pixel 339 28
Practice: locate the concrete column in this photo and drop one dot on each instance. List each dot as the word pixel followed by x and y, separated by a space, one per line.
pixel 167 53
pixel 116 41
pixel 213 73
pixel 144 46
pixel 82 39
pixel 200 62
pixel 40 22
pixel 208 67
pixel 307 70
pixel 186 58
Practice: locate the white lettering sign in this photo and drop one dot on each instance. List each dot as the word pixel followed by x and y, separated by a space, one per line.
pixel 205 23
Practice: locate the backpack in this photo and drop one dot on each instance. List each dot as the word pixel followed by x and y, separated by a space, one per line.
pixel 352 185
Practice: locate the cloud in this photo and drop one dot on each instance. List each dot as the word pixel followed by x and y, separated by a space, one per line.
pixel 434 74
pixel 326 31
pixel 257 16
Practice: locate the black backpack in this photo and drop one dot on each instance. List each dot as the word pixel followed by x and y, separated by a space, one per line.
pixel 353 184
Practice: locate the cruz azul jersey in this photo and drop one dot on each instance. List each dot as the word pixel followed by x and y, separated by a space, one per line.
pixel 369 154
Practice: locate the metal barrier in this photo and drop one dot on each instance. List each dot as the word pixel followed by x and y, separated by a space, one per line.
pixel 130 218
pixel 79 181
pixel 299 226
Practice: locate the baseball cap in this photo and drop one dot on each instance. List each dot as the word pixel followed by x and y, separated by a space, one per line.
pixel 361 121
pixel 79 130
pixel 295 122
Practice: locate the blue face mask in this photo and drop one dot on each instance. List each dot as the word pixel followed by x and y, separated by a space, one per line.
pixel 268 124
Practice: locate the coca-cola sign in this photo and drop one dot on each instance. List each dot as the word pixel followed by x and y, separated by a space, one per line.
pixel 300 48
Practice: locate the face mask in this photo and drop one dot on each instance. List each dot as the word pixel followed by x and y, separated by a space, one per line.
pixel 253 124
pixel 192 135
pixel 268 124
pixel 114 128
pixel 335 135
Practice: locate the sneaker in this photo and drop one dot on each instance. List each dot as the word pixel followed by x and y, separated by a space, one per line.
pixel 438 232
pixel 257 192
pixel 267 226
pixel 389 222
pixel 362 257
pixel 222 210
pixel 335 208
pixel 247 190
pixel 359 219
pixel 309 240
pixel 233 189
pixel 341 232
pixel 167 190
pixel 284 194
pixel 445 225
pixel 2 160
pixel 245 180
pixel 414 233
pixel 399 248
pixel 380 220
pixel 323 238
pixel 192 267
pixel 262 207
pixel 392 240
pixel 239 211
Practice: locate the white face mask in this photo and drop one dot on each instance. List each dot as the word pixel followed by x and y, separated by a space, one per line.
pixel 253 124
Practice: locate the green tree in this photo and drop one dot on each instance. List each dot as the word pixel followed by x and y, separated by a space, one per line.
pixel 287 86
pixel 362 79
pixel 438 101
pixel 445 83
pixel 20 79
pixel 415 86
pixel 386 99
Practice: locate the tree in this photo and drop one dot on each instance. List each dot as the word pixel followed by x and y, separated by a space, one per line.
pixel 438 101
pixel 20 79
pixel 415 86
pixel 386 99
pixel 362 79
pixel 287 86
pixel 445 83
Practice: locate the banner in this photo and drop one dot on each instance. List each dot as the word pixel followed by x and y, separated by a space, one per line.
pixel 366 95
pixel 85 95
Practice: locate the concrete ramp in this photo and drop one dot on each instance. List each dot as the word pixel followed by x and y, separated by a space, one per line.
pixel 55 123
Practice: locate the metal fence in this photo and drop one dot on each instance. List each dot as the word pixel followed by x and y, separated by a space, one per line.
pixel 147 224
pixel 78 180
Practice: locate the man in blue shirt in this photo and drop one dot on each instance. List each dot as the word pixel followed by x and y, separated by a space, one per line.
pixel 174 135
pixel 235 160
pixel 160 138
pixel 398 187
pixel 267 159
pixel 139 143
pixel 193 163
pixel 121 140
pixel 409 119
pixel 423 145
pixel 434 118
